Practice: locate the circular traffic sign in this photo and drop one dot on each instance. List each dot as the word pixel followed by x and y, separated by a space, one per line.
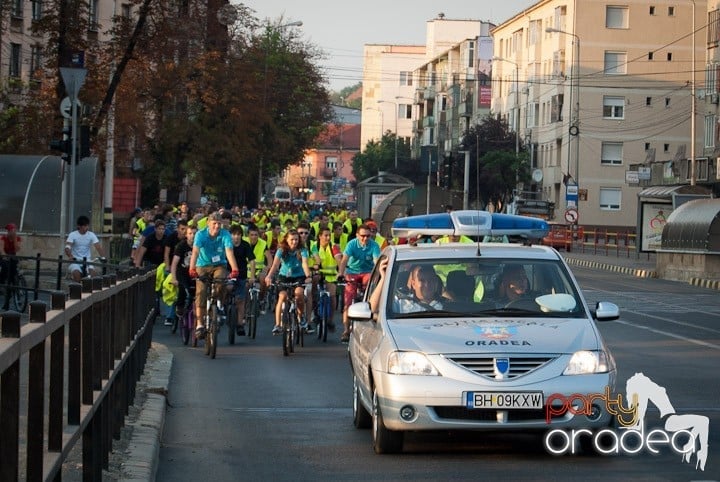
pixel 571 215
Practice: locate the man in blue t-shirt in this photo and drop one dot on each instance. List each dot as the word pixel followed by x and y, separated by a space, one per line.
pixel 212 252
pixel 358 261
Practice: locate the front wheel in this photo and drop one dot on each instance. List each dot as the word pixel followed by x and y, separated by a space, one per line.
pixel 384 441
pixel 19 295
pixel 286 340
pixel 186 328
pixel 231 323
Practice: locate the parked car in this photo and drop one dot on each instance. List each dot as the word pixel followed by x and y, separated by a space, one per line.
pixel 559 237
pixel 507 335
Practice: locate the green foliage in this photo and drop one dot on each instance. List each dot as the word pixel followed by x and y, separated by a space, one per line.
pixel 495 169
pixel 341 98
pixel 377 156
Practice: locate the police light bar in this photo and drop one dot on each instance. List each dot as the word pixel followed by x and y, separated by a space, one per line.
pixel 470 223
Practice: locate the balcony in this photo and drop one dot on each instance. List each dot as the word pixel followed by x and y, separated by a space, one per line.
pixel 429 92
pixel 428 121
pixel 419 96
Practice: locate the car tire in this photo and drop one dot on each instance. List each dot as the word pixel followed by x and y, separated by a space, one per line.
pixel 384 441
pixel 361 417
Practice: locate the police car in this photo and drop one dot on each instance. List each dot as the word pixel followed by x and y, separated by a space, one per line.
pixel 476 336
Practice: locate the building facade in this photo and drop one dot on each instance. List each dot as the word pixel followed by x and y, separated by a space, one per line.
pixel 595 89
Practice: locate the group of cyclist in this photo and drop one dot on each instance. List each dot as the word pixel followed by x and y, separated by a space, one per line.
pixel 277 246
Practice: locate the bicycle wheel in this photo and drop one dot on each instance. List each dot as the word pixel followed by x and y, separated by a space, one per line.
pixel 324 318
pixel 231 322
pixel 207 332
pixel 187 325
pixel 176 322
pixel 19 295
pixel 251 314
pixel 213 332
pixel 286 335
pixel 299 331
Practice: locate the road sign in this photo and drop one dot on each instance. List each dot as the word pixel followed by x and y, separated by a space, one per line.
pixel 571 216
pixel 66 107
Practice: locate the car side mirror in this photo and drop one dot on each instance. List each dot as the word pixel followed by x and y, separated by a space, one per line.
pixel 360 311
pixel 606 311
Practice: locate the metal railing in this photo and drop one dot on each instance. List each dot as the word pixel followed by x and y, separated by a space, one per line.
pixel 99 334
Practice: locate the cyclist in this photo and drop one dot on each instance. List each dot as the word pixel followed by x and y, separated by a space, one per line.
pixel 245 259
pixel 358 260
pixel 352 224
pixel 262 258
pixel 179 269
pixel 212 251
pixel 291 262
pixel 152 250
pixel 338 236
pixel 11 246
pixel 79 245
pixel 327 258
pixel 304 230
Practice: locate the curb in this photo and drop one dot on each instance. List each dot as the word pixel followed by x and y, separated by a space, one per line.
pixel 705 283
pixel 143 452
pixel 637 272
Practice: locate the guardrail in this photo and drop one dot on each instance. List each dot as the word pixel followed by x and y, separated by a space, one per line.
pixel 99 335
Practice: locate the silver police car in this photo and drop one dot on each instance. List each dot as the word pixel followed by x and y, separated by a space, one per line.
pixel 465 335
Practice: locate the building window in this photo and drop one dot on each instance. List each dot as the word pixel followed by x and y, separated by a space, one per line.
pixel 331 162
pixel 666 147
pixel 669 56
pixel 615 63
pixel 652 9
pixel 610 198
pixel 648 101
pixel 404 111
pixel 671 11
pixel 93 15
pixel 613 107
pixel 471 54
pixel 711 72
pixel 406 78
pixel 667 101
pixel 710 123
pixel 17 8
pixel 15 60
pixel 650 55
pixel 647 146
pixel 612 153
pixel 35 61
pixel 36 9
pixel 556 108
pixel 125 10
pixel 616 17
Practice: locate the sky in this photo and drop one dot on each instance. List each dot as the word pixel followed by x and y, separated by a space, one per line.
pixel 340 28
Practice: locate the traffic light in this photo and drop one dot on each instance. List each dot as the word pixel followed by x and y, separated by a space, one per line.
pixel 447 174
pixel 63 145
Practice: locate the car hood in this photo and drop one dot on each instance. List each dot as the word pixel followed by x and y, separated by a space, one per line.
pixel 522 335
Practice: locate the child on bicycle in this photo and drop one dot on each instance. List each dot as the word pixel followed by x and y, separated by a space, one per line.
pixel 291 262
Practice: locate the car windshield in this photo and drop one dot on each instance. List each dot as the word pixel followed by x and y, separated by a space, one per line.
pixel 482 287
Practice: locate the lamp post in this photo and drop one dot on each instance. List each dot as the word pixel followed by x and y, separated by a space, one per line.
pixel 396 124
pixel 693 105
pixel 297 23
pixel 574 111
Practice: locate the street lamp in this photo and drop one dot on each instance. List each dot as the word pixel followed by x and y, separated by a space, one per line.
pixel 574 111
pixel 396 124
pixel 382 119
pixel 693 105
pixel 297 23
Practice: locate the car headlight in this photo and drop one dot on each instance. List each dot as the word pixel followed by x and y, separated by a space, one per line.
pixel 586 362
pixel 410 363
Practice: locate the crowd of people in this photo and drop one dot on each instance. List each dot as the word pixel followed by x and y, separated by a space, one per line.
pixel 289 244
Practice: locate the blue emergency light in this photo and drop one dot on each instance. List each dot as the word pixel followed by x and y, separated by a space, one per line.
pixel 470 223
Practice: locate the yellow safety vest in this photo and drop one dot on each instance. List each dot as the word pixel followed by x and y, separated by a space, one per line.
pixel 328 264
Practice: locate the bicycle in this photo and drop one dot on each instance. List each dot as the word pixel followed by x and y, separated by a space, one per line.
pixel 252 309
pixel 292 332
pixel 15 288
pixel 359 295
pixel 324 309
pixel 187 327
pixel 214 313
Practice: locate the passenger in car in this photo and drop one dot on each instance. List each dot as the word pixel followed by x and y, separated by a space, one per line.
pixel 423 291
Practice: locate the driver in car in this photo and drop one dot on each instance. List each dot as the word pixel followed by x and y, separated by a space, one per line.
pixel 514 285
pixel 423 292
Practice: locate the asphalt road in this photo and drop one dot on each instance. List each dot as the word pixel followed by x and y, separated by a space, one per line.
pixel 252 414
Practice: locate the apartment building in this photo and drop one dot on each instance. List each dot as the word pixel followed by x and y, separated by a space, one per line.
pixel 392 80
pixel 596 89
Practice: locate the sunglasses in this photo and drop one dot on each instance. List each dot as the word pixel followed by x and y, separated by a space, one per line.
pixel 363 235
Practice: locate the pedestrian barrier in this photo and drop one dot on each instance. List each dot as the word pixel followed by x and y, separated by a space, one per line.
pixel 99 335
pixel 603 241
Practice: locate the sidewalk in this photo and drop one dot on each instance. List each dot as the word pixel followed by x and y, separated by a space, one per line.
pixel 642 266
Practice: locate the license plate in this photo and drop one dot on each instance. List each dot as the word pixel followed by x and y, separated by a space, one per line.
pixel 502 400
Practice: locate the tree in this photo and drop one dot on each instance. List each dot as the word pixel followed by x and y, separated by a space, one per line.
pixel 341 98
pixel 495 169
pixel 377 156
